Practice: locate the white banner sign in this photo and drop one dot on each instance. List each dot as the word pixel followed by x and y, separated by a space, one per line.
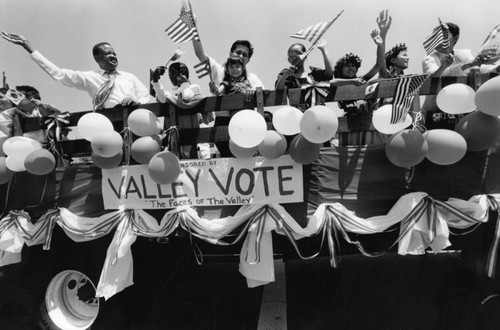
pixel 206 182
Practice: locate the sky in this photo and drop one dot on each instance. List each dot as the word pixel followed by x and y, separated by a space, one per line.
pixel 65 31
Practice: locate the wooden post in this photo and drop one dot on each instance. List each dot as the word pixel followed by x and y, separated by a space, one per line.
pixel 474 78
pixel 127 136
pixel 259 99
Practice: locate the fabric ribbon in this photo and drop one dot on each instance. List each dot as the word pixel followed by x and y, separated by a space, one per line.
pixel 15 229
pixel 43 228
pixel 55 124
pixel 314 88
pixel 332 226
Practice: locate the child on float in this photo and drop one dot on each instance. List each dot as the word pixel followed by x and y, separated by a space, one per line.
pixel 184 95
pixel 235 81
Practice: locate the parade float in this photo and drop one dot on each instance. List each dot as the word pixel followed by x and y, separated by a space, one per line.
pixel 287 179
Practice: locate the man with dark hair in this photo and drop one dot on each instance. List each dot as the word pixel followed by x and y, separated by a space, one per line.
pixel 239 48
pixel 448 61
pixel 107 86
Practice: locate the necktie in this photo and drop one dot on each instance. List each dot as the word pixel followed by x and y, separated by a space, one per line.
pixel 103 92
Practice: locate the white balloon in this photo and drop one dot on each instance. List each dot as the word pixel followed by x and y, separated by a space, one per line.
pixel 319 124
pixel 286 120
pixel 456 99
pixel 143 122
pixel 382 120
pixel 16 163
pixel 93 123
pixel 247 128
pixel 20 146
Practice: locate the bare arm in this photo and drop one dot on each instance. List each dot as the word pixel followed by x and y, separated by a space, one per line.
pixel 199 51
pixel 384 23
pixel 344 82
pixel 326 56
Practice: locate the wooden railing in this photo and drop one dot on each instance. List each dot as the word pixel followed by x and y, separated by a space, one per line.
pixel 260 100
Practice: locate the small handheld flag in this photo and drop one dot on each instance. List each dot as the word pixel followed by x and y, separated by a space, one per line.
pixel 406 90
pixel 314 32
pixel 176 56
pixel 202 69
pixel 439 36
pixel 184 28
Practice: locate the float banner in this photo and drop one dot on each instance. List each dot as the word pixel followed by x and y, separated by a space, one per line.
pixel 206 182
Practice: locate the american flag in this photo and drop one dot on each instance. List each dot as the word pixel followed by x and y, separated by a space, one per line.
pixel 202 69
pixel 406 90
pixel 314 32
pixel 176 55
pixel 311 33
pixel 183 29
pixel 439 36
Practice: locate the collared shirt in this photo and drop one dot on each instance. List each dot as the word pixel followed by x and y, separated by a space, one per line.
pixel 126 84
pixel 432 62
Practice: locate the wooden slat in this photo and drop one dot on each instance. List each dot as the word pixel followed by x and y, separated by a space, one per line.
pixel 270 98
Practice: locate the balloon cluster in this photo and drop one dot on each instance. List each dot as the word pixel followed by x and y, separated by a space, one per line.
pixel 248 133
pixel 478 130
pixel 107 144
pixel 24 154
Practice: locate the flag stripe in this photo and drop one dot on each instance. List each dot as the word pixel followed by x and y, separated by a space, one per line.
pixel 312 32
pixel 202 69
pixel 183 29
pixel 406 90
pixel 439 36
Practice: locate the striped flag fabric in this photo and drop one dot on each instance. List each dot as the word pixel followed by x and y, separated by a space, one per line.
pixel 202 69
pixel 183 29
pixel 406 90
pixel 439 36
pixel 314 32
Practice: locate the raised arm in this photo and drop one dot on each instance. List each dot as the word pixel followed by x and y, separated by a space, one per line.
pixel 384 23
pixel 19 40
pixel 321 44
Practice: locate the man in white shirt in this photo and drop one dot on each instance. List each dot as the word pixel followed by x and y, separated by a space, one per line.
pixel 240 48
pixel 125 89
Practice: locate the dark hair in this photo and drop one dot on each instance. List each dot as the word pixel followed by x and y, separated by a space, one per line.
pixel 3 90
pixel 97 47
pixel 453 28
pixel 245 43
pixel 29 92
pixel 303 48
pixel 394 52
pixel 175 69
pixel 347 58
pixel 234 60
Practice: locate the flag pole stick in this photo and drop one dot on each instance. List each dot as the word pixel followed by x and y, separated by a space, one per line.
pixel 199 38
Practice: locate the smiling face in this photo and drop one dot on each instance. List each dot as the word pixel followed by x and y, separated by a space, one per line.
pixel 349 70
pixel 235 70
pixel 294 53
pixel 401 61
pixel 242 52
pixel 106 58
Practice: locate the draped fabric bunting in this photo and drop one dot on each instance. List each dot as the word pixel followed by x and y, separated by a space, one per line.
pixel 424 223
